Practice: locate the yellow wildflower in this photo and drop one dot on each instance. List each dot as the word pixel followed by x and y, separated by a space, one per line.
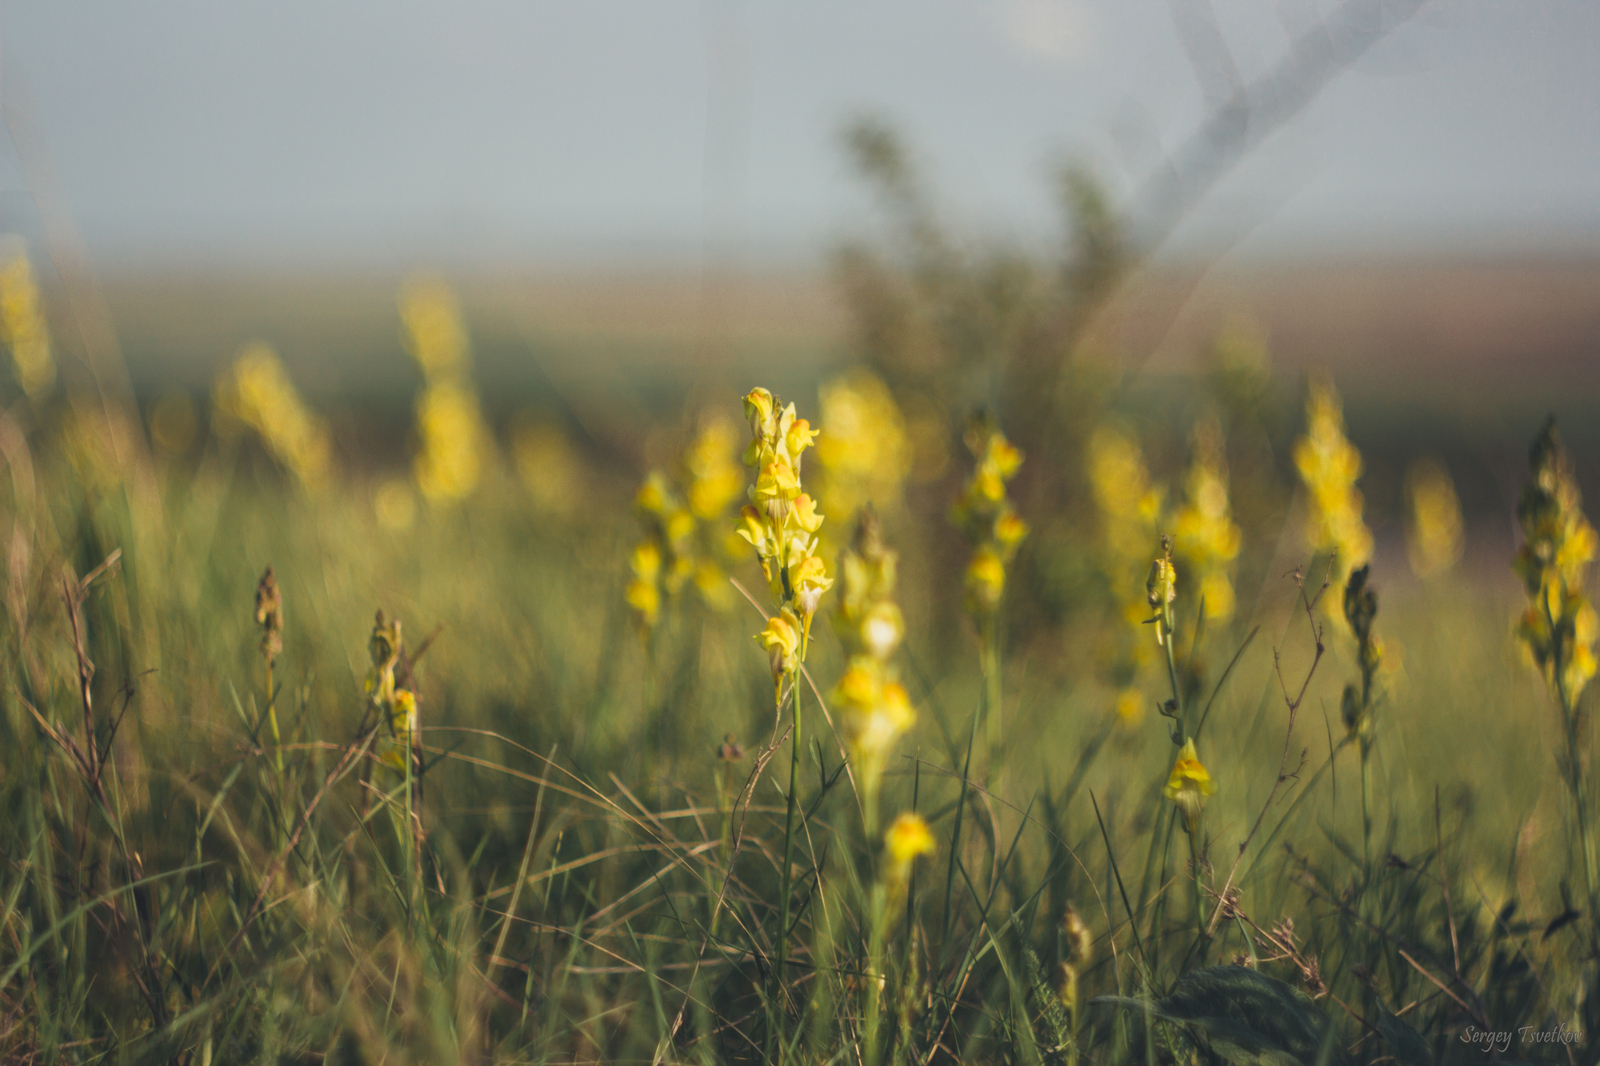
pixel 781 640
pixel 1433 536
pixel 1188 785
pixel 873 714
pixel 1559 626
pixel 453 444
pixel 986 581
pixel 1204 532
pixel 1329 466
pixel 985 515
pixel 908 837
pixel 257 391
pixel 864 450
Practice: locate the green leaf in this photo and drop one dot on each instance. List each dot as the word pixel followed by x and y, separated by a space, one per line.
pixel 1247 1018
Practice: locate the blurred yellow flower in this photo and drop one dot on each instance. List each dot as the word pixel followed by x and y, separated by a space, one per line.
pixel 873 713
pixel 1130 707
pixel 986 582
pixel 453 444
pixel 985 515
pixel 434 334
pixel 1204 534
pixel 864 450
pixel 257 391
pixel 1130 512
pixel 22 323
pixel 908 838
pixel 713 477
pixel 1559 626
pixel 1433 535
pixel 1329 466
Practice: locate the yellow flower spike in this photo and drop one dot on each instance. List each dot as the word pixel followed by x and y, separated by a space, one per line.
pixel 864 448
pixel 873 714
pixel 1329 466
pixel 805 513
pixel 908 838
pixel 1434 533
pixel 781 639
pixel 1188 785
pixel 1559 626
pixel 1206 538
pixel 257 391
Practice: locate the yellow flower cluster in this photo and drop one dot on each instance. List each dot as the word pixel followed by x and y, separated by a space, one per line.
pixel 1433 536
pixel 781 523
pixel 453 444
pixel 1188 785
pixel 1329 466
pixel 1559 626
pixel 257 391
pixel 683 539
pixel 682 519
pixel 864 449
pixel 1205 536
pixel 1130 509
pixel 873 707
pixel 22 324
pixel 985 515
pixel 389 688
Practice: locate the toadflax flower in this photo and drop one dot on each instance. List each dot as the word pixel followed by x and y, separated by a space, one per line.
pixel 1188 785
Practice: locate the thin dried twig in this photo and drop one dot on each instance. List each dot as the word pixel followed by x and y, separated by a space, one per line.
pixel 1293 704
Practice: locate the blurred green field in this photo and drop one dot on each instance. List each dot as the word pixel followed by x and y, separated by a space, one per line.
pixel 225 841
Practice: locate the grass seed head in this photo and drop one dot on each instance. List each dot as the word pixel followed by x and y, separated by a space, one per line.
pixel 269 616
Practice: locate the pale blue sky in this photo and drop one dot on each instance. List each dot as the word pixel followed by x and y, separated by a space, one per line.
pixel 610 129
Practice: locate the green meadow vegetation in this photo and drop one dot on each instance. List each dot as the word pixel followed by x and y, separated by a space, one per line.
pixel 972 705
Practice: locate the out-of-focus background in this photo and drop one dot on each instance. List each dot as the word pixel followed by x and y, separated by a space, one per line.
pixel 630 198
